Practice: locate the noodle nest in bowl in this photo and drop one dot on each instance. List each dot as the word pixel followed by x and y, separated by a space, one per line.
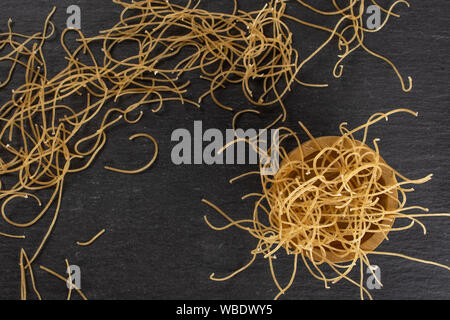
pixel 332 202
pixel 330 197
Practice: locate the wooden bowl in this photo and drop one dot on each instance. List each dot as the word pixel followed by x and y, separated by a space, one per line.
pixel 371 240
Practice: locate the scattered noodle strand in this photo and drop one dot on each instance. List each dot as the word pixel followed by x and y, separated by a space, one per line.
pixel 91 241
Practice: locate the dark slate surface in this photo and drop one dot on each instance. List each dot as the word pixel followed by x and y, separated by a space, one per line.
pixel 157 245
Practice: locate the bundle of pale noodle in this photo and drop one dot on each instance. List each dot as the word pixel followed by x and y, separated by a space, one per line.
pixel 332 202
pixel 251 49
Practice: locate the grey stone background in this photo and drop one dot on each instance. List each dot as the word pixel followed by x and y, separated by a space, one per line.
pixel 157 245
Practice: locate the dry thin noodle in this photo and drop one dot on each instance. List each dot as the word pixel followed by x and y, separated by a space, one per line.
pixel 12 236
pixel 70 283
pixel 148 164
pixel 92 240
pixel 24 257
